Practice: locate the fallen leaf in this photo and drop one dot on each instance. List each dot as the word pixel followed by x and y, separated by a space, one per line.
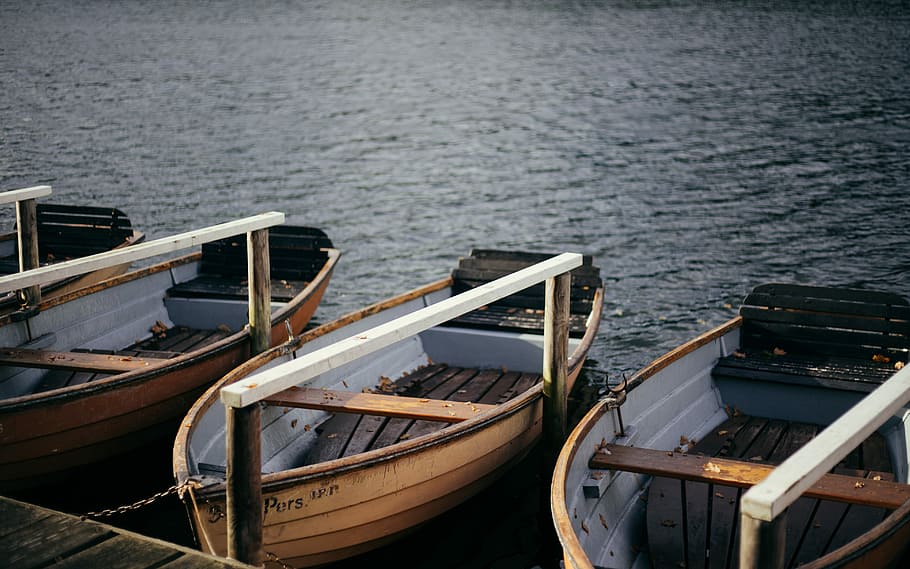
pixel 779 352
pixel 711 467
pixel 881 359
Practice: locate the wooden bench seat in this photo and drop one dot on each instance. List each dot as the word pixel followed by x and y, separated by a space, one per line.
pixel 523 310
pixel 76 361
pixel 846 338
pixel 378 404
pixel 745 474
pixel 693 498
pixel 296 255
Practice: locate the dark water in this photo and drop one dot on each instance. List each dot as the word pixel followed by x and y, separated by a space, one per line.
pixel 696 149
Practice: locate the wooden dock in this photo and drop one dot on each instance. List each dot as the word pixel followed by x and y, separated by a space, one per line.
pixel 33 536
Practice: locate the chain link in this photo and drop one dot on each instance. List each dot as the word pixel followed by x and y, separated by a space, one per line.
pixel 275 559
pixel 142 503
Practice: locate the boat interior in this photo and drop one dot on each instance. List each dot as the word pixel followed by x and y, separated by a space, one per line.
pixel 480 359
pixel 156 313
pixel 750 396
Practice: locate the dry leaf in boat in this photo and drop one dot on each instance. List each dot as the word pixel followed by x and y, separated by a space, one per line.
pixel 859 485
pixel 385 384
pixel 719 495
pixel 668 523
pixel 738 354
pixel 307 428
pixel 721 433
pixel 779 352
pixel 603 521
pixel 876 477
pixel 898 365
pixel 683 440
pixel 404 437
pixel 584 527
pixel 158 328
pixel 879 358
pixel 711 467
pixel 331 435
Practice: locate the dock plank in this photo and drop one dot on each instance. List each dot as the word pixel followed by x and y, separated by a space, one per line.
pixel 32 537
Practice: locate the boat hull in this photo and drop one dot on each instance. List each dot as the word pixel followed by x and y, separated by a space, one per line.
pixel 347 507
pixel 46 436
pixel 600 516
pixel 329 510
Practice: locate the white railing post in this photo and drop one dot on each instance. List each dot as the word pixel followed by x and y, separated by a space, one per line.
pixel 761 536
pixel 243 433
pixel 27 235
pixel 139 251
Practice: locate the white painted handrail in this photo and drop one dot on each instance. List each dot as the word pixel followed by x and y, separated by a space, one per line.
pixel 306 367
pixel 762 503
pixel 139 251
pixel 12 196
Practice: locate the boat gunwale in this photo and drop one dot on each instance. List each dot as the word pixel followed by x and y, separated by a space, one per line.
pixel 139 376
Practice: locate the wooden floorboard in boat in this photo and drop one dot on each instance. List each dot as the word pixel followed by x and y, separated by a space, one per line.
pixel 345 434
pixel 167 344
pixel 693 524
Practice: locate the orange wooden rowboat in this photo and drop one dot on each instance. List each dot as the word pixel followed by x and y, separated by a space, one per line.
pixel 371 450
pixel 652 475
pixel 109 368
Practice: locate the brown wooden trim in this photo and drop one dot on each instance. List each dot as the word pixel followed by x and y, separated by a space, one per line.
pixel 80 361
pixel 743 474
pixel 683 350
pixel 419 408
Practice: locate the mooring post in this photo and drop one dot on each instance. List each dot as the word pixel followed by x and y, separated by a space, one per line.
pixel 244 484
pixel 27 223
pixel 555 362
pixel 762 542
pixel 244 432
pixel 260 291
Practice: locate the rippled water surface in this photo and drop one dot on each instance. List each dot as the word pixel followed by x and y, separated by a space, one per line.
pixel 695 149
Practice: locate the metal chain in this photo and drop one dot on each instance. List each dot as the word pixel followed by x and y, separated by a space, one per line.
pixel 272 558
pixel 141 503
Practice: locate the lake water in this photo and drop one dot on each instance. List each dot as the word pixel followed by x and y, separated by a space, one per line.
pixel 694 148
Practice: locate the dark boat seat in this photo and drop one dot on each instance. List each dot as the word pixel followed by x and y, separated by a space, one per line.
pixel 845 338
pixel 296 255
pixel 523 310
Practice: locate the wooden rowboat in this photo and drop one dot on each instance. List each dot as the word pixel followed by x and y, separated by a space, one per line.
pixel 652 475
pixel 112 367
pixel 372 449
pixel 68 232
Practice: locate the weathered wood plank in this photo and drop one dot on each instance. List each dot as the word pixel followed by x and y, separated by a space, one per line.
pixel 137 252
pixel 34 192
pixel 742 474
pixel 378 404
pixel 83 361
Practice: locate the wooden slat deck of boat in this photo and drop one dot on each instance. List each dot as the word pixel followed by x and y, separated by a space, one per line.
pixel 165 344
pixel 346 434
pixel 33 537
pixel 692 524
